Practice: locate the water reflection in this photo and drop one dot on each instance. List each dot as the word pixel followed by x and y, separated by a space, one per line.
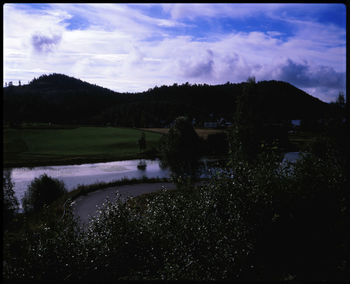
pixel 142 165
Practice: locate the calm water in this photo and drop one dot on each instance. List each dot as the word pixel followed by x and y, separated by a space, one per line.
pixel 292 156
pixel 73 175
pixel 85 174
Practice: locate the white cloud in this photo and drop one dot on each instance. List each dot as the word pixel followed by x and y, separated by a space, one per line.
pixel 114 50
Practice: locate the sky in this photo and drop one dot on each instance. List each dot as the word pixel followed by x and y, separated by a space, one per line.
pixel 134 47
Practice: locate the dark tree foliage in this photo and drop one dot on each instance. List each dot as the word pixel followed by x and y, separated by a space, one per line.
pixel 254 131
pixel 57 98
pixel 217 143
pixel 248 123
pixel 10 202
pixel 41 192
pixel 142 142
pixel 180 150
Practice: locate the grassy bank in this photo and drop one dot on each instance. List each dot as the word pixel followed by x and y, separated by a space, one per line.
pixel 202 132
pixel 85 189
pixel 60 146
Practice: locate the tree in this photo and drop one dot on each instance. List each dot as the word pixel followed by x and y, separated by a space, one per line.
pixel 42 191
pixel 246 134
pixel 10 202
pixel 341 100
pixel 217 143
pixel 180 151
pixel 142 142
pixel 251 80
pixel 253 131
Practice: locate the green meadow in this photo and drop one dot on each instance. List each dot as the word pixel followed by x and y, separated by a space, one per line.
pixel 32 147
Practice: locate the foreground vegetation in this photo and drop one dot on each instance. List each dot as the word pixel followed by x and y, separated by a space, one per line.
pixel 52 146
pixel 247 223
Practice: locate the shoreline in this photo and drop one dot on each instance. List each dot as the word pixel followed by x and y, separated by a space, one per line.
pixel 81 161
pixel 76 161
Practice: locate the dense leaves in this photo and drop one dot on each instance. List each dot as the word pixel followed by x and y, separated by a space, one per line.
pixel 10 202
pixel 142 142
pixel 41 192
pixel 180 151
pixel 217 144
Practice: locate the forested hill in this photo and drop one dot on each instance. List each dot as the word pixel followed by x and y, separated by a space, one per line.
pixel 57 98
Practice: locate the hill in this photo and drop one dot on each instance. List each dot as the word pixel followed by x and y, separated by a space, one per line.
pixel 58 98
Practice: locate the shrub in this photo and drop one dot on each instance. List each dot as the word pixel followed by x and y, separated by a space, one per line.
pixel 299 218
pixel 42 191
pixel 47 252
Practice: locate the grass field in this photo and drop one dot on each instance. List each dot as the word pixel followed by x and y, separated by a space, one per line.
pixel 58 146
pixel 32 147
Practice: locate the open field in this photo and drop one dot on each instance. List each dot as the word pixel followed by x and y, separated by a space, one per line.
pixel 32 147
pixel 202 132
pixel 58 145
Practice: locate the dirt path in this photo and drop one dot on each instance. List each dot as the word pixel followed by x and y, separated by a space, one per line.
pixel 85 206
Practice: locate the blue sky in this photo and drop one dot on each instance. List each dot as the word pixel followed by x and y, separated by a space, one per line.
pixel 134 47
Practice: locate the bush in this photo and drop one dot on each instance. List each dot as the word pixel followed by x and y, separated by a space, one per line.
pixel 41 192
pixel 299 218
pixel 47 252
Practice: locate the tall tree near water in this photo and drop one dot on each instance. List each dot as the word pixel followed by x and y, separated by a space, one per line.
pixel 180 151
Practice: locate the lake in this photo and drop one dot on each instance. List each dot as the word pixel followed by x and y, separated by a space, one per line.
pixel 85 174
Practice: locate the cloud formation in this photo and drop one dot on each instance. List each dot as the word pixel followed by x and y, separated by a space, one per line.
pixel 197 67
pixel 303 75
pixel 42 43
pixel 133 47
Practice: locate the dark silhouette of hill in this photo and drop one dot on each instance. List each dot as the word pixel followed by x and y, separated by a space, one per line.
pixel 58 98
